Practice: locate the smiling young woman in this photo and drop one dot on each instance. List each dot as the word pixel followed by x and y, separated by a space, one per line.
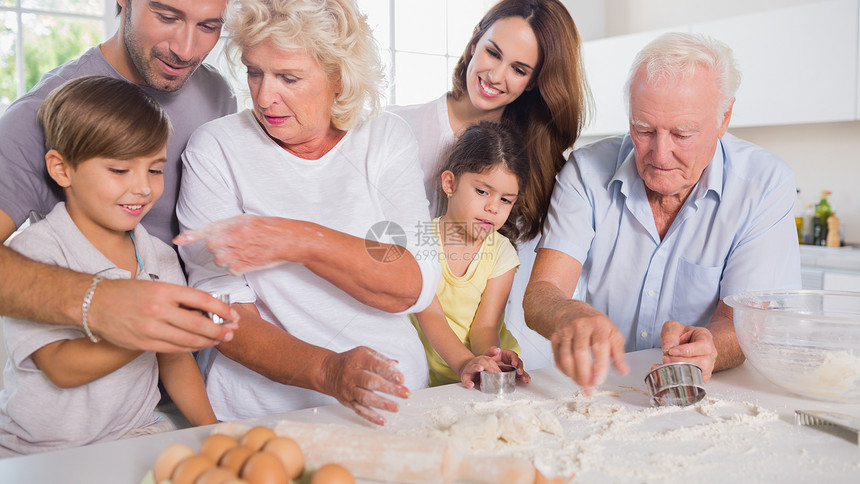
pixel 523 65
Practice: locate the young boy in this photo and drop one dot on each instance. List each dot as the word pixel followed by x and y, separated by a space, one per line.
pixel 106 141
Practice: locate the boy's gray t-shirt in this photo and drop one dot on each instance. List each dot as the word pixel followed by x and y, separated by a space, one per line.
pixel 35 415
pixel 24 181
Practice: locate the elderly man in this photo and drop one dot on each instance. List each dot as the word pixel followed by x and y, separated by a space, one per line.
pixel 661 224
pixel 160 46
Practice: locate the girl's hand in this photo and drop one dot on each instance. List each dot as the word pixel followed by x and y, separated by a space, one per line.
pixel 510 357
pixel 470 373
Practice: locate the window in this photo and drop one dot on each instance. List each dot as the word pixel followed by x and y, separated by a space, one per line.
pixel 420 42
pixel 38 35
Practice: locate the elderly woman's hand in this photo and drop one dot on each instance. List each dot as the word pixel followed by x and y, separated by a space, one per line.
pixel 246 242
pixel 354 377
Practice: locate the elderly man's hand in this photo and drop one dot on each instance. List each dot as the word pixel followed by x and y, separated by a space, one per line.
pixel 354 377
pixel 246 243
pixel 691 344
pixel 583 346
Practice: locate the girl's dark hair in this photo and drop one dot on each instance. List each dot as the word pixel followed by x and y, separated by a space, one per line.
pixel 551 114
pixel 484 146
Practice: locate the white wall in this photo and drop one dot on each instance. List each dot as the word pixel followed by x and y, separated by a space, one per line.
pixel 628 16
pixel 823 156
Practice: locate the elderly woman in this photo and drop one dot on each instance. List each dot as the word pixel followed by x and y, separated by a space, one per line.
pixel 306 177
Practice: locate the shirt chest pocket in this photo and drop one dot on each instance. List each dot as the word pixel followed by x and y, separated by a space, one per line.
pixel 697 291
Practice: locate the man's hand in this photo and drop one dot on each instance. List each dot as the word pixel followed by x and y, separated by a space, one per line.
pixel 690 344
pixel 157 316
pixel 353 378
pixel 583 345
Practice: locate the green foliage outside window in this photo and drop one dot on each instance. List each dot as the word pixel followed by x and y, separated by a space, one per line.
pixel 48 42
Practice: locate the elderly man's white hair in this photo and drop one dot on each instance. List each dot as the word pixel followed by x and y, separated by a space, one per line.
pixel 675 56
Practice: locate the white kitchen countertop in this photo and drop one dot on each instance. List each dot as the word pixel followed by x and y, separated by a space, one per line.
pixel 845 258
pixel 744 431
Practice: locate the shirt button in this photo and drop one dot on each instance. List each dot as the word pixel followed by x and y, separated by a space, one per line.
pixel 644 334
pixel 651 292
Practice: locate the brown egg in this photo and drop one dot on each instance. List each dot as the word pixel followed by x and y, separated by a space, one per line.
pixel 289 453
pixel 216 475
pixel 332 474
pixel 216 445
pixel 255 438
pixel 190 469
pixel 168 459
pixel 264 468
pixel 235 458
pixel 542 479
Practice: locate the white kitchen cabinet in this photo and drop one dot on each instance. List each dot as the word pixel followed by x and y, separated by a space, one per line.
pixel 606 64
pixel 841 281
pixel 857 73
pixel 832 269
pixel 799 65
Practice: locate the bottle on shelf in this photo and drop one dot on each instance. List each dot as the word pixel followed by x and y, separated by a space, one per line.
pixel 822 212
pixel 808 218
pixel 798 216
pixel 833 231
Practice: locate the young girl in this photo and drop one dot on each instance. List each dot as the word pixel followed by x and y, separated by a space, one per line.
pixel 462 330
pixel 107 145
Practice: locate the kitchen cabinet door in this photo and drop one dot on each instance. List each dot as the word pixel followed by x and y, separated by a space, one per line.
pixel 606 64
pixel 839 281
pixel 799 64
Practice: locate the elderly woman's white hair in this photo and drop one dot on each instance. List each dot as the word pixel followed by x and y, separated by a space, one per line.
pixel 333 32
pixel 675 56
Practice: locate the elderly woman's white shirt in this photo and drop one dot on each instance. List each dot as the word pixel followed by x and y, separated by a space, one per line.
pixel 368 185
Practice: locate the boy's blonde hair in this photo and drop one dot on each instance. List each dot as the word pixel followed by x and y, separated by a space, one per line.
pixel 98 116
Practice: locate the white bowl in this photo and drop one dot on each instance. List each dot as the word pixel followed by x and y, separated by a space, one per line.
pixel 807 342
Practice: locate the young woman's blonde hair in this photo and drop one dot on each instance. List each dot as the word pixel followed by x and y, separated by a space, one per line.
pixel 102 117
pixel 333 32
pixel 551 114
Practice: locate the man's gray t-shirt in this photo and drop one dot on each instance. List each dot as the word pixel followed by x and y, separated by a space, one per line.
pixel 37 416
pixel 24 181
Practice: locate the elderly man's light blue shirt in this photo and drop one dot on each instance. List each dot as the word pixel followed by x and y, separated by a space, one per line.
pixel 735 233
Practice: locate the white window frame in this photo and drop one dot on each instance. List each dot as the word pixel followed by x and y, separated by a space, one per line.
pixel 107 17
pixel 111 22
pixel 450 57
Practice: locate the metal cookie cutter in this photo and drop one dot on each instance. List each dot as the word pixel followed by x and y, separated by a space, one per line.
pixel 223 297
pixel 501 382
pixel 678 384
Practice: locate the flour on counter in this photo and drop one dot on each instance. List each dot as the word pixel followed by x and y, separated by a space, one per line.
pixel 602 435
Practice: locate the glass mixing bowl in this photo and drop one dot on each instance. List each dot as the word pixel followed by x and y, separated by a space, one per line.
pixel 807 342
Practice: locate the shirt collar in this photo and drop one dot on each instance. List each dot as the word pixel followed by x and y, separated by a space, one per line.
pixel 90 259
pixel 628 176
